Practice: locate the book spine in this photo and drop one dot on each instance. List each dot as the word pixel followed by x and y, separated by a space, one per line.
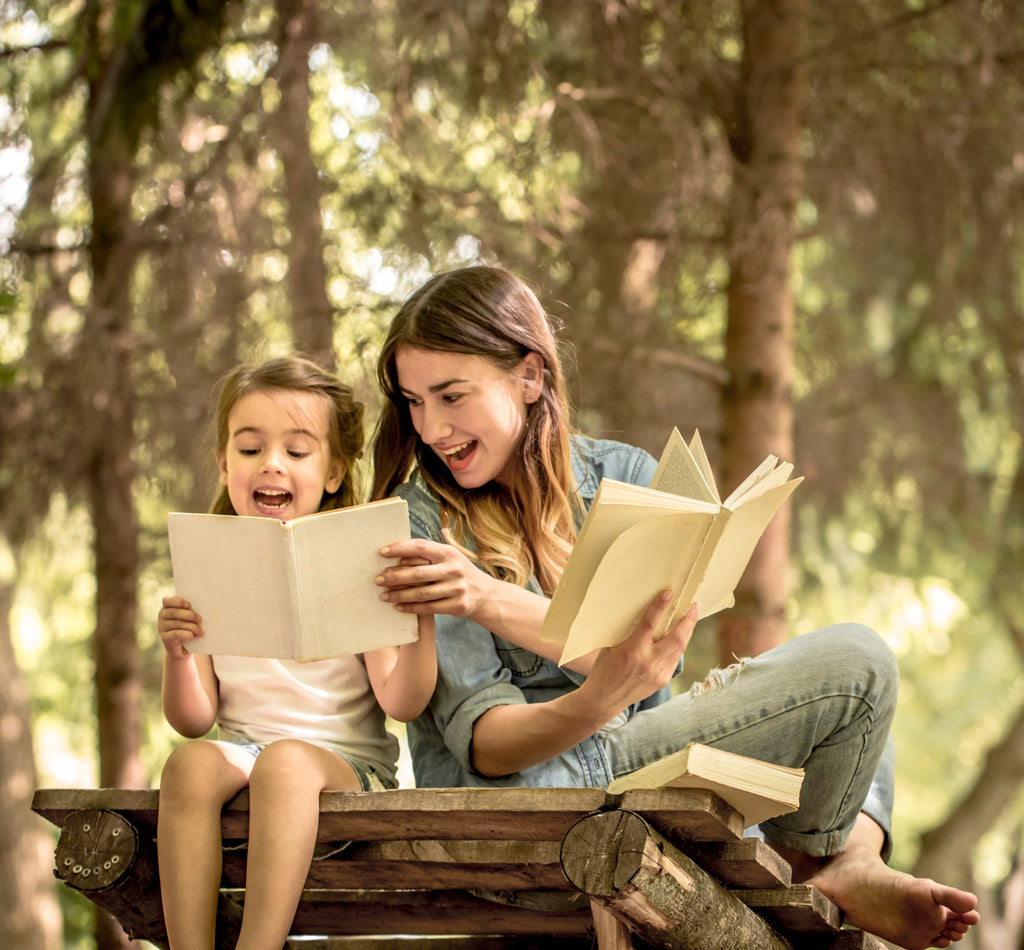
pixel 697 572
pixel 297 595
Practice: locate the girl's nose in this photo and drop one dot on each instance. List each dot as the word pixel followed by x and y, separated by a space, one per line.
pixel 273 461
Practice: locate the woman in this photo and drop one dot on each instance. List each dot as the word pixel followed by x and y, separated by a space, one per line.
pixel 476 418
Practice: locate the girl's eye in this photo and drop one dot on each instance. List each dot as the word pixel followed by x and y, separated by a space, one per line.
pixel 296 454
pixel 248 452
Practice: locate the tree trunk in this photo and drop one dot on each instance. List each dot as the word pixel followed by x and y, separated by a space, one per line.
pixel 31 918
pixel 108 417
pixel 758 409
pixel 312 314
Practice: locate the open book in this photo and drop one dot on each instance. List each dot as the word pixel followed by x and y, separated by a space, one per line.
pixel 678 535
pixel 757 790
pixel 299 590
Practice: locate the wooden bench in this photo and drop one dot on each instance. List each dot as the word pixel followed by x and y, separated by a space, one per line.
pixel 478 869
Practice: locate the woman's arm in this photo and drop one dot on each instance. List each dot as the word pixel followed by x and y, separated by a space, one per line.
pixel 403 677
pixel 189 690
pixel 438 578
pixel 510 738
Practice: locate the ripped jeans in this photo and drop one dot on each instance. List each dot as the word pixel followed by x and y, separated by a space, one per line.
pixel 823 701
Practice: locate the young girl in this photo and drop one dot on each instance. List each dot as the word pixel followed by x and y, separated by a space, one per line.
pixel 476 401
pixel 287 439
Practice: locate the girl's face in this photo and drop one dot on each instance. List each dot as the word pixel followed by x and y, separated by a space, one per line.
pixel 277 461
pixel 469 411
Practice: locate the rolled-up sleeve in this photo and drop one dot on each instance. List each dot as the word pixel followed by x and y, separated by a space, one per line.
pixel 470 680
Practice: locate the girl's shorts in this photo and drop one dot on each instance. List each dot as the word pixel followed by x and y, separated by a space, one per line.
pixel 368 778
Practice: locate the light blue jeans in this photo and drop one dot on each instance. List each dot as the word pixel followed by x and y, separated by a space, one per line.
pixel 823 702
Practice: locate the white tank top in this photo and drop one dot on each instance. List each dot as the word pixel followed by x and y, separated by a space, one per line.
pixel 329 703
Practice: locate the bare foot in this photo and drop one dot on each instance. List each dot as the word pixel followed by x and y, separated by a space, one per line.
pixel 911 912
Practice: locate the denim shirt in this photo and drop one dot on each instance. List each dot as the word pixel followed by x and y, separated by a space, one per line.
pixel 478 670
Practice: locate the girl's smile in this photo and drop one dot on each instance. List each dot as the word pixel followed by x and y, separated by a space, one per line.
pixel 277 461
pixel 468 410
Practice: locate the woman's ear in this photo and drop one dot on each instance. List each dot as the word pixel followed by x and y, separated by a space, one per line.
pixel 222 467
pixel 532 375
pixel 335 476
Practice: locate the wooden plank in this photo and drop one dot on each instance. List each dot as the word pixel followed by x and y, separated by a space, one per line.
pixel 431 864
pixel 748 863
pixel 616 858
pixel 444 942
pixel 368 912
pixel 800 908
pixel 683 814
pixel 529 814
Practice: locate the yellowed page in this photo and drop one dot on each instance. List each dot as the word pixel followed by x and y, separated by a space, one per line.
pixel 617 506
pixel 655 554
pixel 741 532
pixel 679 473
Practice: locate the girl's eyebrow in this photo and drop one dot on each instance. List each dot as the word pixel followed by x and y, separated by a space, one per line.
pixel 256 430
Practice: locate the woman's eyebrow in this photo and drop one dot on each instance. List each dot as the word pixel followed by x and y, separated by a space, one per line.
pixel 436 387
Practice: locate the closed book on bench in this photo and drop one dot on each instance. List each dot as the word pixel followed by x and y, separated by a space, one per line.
pixel 758 790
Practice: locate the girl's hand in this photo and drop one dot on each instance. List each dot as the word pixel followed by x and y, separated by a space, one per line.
pixel 177 623
pixel 433 578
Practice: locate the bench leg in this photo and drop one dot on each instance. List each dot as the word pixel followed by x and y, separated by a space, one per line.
pixel 611 933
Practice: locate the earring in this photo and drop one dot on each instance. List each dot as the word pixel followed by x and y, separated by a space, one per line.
pixel 529 396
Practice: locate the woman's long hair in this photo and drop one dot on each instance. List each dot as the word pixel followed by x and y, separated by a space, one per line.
pixel 526 527
pixel 345 433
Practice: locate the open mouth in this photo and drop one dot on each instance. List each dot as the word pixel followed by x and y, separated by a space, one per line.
pixel 272 499
pixel 454 457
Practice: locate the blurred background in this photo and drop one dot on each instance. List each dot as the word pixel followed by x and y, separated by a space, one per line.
pixel 794 225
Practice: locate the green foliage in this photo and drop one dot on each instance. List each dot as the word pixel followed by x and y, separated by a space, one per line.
pixel 574 148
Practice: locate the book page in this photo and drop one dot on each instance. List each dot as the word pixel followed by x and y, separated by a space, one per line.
pixel 234 571
pixel 768 474
pixel 742 531
pixel 679 473
pixel 617 506
pixel 336 563
pixel 655 554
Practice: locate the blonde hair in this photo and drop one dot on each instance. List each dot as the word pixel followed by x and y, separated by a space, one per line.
pixel 526 527
pixel 345 433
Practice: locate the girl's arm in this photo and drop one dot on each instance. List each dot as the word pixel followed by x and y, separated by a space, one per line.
pixel 438 578
pixel 403 677
pixel 510 738
pixel 189 690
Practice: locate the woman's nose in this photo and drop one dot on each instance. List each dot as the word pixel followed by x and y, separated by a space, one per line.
pixel 433 425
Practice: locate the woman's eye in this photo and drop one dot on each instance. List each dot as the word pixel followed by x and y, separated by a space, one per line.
pixel 453 397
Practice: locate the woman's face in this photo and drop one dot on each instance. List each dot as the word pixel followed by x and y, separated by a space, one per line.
pixel 467 410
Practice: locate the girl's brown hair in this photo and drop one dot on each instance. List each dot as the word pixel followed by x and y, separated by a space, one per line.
pixel 528 526
pixel 345 433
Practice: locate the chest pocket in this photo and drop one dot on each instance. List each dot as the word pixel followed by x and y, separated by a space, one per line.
pixel 524 666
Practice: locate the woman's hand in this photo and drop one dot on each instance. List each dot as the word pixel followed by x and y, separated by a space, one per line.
pixel 514 737
pixel 640 665
pixel 433 578
pixel 177 623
